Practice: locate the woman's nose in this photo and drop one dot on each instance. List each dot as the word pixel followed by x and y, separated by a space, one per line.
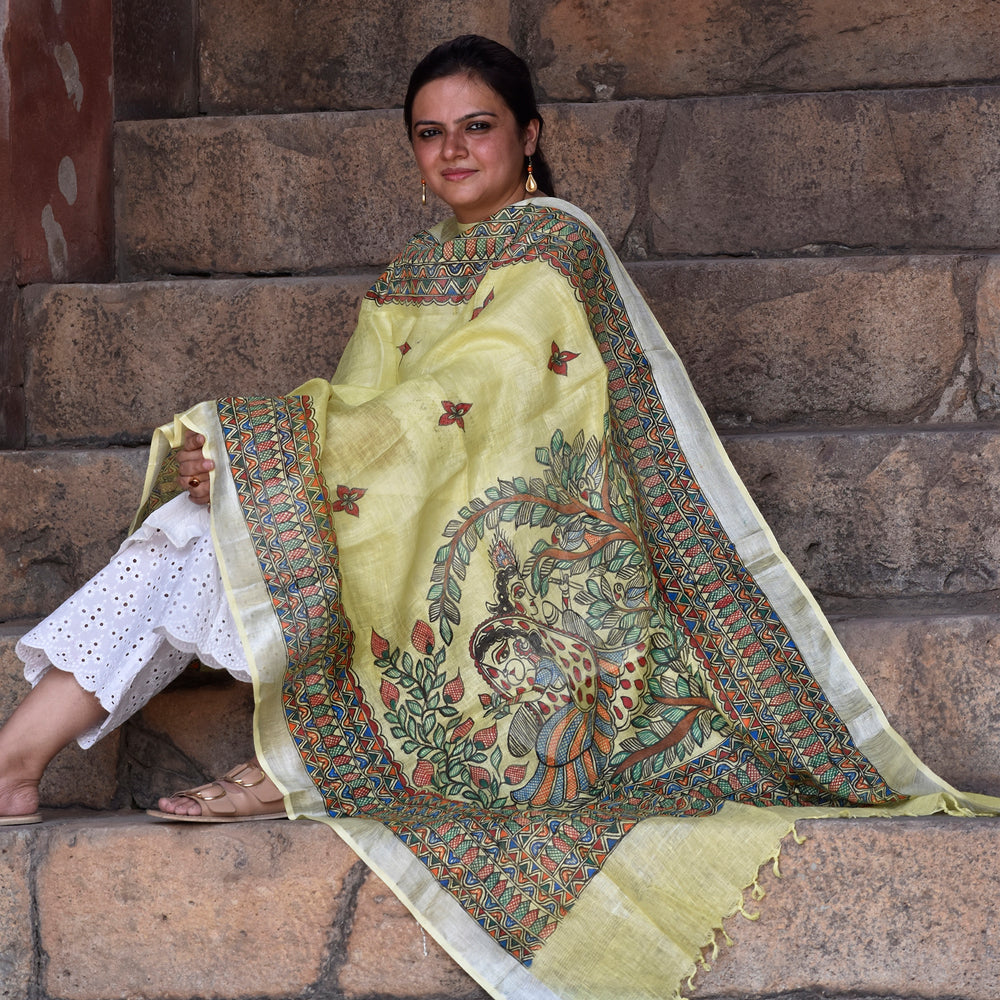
pixel 454 144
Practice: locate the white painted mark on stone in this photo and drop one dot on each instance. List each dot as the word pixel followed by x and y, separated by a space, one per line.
pixel 56 243
pixel 70 68
pixel 67 179
pixel 57 6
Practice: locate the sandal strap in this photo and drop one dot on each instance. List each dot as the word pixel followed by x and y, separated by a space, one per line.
pixel 246 790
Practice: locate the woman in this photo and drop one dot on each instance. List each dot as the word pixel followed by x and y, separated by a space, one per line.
pixel 510 616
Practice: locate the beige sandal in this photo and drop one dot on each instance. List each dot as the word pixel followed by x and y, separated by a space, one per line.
pixel 245 793
pixel 24 820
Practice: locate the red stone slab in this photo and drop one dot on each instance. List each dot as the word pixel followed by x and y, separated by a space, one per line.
pixel 60 125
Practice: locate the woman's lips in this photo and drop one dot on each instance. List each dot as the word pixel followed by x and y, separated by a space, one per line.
pixel 456 175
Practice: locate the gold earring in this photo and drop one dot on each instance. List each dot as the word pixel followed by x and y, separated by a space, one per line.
pixel 530 185
pixel 423 191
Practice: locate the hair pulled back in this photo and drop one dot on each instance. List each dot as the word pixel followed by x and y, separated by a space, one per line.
pixel 501 70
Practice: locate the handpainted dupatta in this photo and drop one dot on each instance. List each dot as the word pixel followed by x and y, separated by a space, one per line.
pixel 517 631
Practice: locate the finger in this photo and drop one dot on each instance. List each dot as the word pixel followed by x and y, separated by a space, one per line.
pixel 195 466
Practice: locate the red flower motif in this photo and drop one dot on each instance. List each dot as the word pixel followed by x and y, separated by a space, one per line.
pixel 404 348
pixel 347 499
pixel 480 776
pixel 423 773
pixel 389 694
pixel 514 774
pixel 462 730
pixel 557 362
pixel 422 637
pixel 379 645
pixel 485 700
pixel 454 690
pixel 453 413
pixel 485 738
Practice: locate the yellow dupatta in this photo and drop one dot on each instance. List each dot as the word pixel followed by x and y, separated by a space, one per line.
pixel 517 631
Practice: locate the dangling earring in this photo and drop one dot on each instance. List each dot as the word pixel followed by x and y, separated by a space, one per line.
pixel 423 191
pixel 530 185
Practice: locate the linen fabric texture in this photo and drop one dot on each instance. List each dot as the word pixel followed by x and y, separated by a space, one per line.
pixel 517 631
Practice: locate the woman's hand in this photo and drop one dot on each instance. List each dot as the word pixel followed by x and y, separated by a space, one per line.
pixel 193 467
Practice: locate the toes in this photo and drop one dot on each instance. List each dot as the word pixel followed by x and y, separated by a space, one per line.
pixel 180 805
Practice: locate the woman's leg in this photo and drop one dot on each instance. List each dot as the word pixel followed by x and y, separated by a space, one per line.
pixel 55 712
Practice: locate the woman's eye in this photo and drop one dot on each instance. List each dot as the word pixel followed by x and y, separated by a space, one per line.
pixel 478 126
pixel 428 133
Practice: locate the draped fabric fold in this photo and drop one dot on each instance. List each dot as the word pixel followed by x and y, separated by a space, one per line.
pixel 517 630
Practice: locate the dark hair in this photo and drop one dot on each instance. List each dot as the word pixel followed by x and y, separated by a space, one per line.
pixel 501 70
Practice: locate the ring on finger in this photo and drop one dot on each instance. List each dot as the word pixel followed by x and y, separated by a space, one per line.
pixel 193 482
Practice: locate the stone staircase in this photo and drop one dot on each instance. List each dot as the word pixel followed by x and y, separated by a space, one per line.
pixel 808 200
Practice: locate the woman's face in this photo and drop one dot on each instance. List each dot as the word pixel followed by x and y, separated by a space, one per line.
pixel 469 146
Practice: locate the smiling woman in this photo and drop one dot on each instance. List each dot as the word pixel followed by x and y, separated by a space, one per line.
pixel 469 147
pixel 515 628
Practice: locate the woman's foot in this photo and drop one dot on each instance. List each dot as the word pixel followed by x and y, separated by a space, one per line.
pixel 18 802
pixel 245 793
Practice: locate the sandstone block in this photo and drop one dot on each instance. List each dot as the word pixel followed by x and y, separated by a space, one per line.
pixel 16 944
pixel 155 58
pixel 315 56
pixel 871 908
pixel 295 193
pixel 880 514
pixel 591 50
pixel 131 908
pixel 937 680
pixel 75 777
pixel 769 175
pixel 859 340
pixel 410 962
pixel 64 515
pixel 988 337
pixel 154 349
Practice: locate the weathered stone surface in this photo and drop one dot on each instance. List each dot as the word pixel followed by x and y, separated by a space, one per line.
pixel 988 337
pixel 773 174
pixel 895 908
pixel 153 349
pixel 63 516
pixel 60 116
pixel 872 904
pixel 881 514
pixel 413 965
pixel 76 777
pixel 592 50
pixel 855 341
pixel 16 945
pixel 197 729
pixel 296 193
pixel 155 49
pixel 131 908
pixel 291 55
pixel 938 680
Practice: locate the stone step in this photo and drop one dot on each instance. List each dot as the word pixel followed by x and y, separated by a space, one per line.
pixel 760 175
pixel 311 193
pixel 871 515
pixel 937 677
pixel 117 905
pixel 769 343
pixel 306 55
